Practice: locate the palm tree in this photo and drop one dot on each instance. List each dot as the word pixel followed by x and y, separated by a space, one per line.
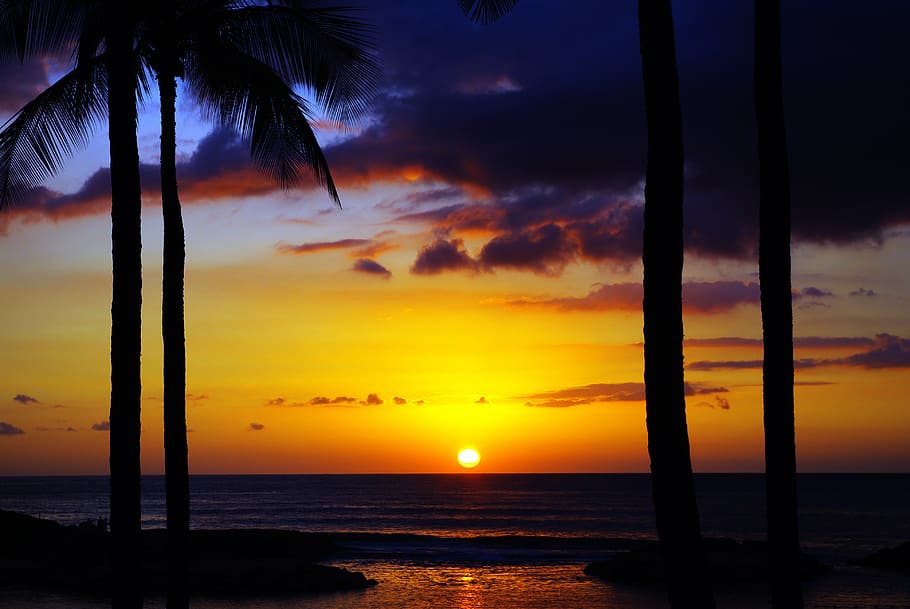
pixel 237 61
pixel 678 527
pixel 777 311
pixel 662 255
pixel 32 146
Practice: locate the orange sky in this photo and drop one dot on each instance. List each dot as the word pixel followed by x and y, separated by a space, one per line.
pixel 457 299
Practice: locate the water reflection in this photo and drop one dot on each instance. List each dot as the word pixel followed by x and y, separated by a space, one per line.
pixel 469 594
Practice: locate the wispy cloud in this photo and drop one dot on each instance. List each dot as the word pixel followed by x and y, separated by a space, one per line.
pixel 605 393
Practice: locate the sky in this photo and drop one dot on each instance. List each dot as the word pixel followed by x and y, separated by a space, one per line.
pixel 481 285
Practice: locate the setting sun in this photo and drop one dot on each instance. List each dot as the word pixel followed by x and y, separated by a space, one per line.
pixel 468 458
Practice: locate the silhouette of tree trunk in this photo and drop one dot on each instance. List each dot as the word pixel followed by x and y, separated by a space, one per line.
pixel 126 306
pixel 176 466
pixel 777 311
pixel 678 529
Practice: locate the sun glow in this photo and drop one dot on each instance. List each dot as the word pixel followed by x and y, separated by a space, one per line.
pixel 468 458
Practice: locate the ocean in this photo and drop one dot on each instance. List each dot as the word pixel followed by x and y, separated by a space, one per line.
pixel 502 541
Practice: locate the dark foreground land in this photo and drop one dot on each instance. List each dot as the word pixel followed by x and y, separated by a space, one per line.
pixel 47 555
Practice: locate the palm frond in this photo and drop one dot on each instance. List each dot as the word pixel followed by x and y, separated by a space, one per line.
pixel 330 51
pixel 31 28
pixel 486 11
pixel 244 94
pixel 37 140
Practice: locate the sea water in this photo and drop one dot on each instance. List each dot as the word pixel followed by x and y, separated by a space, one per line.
pixel 501 540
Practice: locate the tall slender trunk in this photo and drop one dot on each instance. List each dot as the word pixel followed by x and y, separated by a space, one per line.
pixel 126 309
pixel 682 548
pixel 176 467
pixel 776 311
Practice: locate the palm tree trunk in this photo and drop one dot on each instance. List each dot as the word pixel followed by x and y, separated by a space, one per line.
pixel 126 309
pixel 678 528
pixel 176 467
pixel 777 311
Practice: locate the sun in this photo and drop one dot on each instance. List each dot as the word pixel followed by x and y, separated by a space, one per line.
pixel 468 458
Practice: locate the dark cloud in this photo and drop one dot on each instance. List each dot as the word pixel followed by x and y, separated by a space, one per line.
pixel 25 399
pixel 372 400
pixel 102 426
pixel 256 427
pixel 419 402
pixel 606 392
pixel 545 251
pixel 864 292
pixel 399 400
pixel 321 246
pixel 371 267
pixel 441 256
pixel 8 429
pixel 21 83
pixel 886 351
pixel 813 292
pixel 697 297
pixel 196 397
pixel 719 402
pixel 481 400
pixel 276 402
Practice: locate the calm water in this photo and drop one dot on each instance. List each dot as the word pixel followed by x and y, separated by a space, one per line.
pixel 503 541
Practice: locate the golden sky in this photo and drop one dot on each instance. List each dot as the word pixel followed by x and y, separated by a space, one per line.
pixel 469 293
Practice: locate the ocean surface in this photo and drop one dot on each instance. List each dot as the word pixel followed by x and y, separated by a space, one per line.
pixel 502 541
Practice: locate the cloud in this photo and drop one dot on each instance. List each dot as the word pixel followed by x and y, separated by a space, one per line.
pixel 813 292
pixel 25 399
pixel 833 342
pixel 371 267
pixel 545 250
pixel 22 82
pixel 321 246
pixel 419 402
pixel 399 400
pixel 372 400
pixel 441 256
pixel 196 397
pixel 698 297
pixel 102 426
pixel 481 400
pixel 719 402
pixel 605 393
pixel 888 352
pixel 8 429
pixel 256 427
pixel 325 401
pixel 885 351
pixel 276 402
pixel 864 292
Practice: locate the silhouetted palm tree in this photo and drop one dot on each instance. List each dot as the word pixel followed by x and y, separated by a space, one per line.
pixel 777 311
pixel 238 62
pixel 678 528
pixel 32 146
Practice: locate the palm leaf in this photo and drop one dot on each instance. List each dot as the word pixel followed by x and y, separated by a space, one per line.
pixel 486 11
pixel 330 51
pixel 32 28
pixel 37 140
pixel 242 93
